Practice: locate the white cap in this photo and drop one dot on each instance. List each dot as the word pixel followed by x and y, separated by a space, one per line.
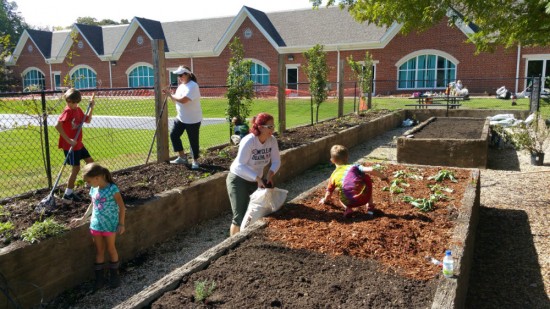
pixel 182 70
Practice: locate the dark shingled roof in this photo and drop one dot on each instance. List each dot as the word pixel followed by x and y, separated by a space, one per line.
pixel 94 36
pixel 263 19
pixel 43 40
pixel 154 29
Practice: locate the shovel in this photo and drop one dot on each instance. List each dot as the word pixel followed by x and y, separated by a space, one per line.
pixel 48 203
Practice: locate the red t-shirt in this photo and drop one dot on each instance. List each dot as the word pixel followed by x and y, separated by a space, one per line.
pixel 71 120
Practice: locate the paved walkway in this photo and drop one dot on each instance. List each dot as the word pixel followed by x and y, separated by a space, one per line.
pixel 10 121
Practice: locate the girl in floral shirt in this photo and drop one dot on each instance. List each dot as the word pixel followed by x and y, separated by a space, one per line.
pixel 108 213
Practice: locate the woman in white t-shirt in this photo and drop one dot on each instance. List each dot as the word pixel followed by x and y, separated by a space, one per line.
pixel 188 105
pixel 256 151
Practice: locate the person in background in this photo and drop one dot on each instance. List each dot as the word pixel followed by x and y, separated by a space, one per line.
pixel 189 118
pixel 256 151
pixel 108 213
pixel 240 130
pixel 352 181
pixel 68 124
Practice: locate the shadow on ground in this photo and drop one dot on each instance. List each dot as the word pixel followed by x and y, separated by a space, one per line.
pixel 503 241
pixel 504 159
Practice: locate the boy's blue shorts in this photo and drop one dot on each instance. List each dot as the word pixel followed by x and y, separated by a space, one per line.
pixel 76 156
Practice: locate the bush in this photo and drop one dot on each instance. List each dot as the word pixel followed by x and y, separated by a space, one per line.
pixel 43 230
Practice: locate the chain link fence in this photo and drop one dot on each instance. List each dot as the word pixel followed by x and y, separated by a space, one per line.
pixel 122 131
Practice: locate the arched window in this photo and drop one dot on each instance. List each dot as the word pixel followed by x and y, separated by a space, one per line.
pixel 33 80
pixel 426 70
pixel 141 76
pixel 259 74
pixel 84 78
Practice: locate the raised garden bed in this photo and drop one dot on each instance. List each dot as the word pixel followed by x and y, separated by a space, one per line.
pixel 460 142
pixel 35 273
pixel 307 255
pixel 189 198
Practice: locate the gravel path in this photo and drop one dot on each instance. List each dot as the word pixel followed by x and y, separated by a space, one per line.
pixel 503 190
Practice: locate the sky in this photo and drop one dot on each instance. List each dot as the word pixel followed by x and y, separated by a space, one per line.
pixel 46 14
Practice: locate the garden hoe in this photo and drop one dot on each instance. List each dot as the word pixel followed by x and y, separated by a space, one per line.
pixel 48 203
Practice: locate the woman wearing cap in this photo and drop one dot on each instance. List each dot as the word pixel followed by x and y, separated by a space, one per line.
pixel 256 150
pixel 188 105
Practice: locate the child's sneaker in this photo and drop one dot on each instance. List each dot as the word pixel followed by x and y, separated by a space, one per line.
pixel 195 166
pixel 179 160
pixel 72 197
pixel 369 207
pixel 348 212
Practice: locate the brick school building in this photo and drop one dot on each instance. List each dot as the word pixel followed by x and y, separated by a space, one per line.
pixel 121 55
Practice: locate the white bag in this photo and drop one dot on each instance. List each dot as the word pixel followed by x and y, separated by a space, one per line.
pixel 262 203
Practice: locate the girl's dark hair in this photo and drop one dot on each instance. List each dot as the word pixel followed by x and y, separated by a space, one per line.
pixel 94 169
pixel 192 75
pixel 259 120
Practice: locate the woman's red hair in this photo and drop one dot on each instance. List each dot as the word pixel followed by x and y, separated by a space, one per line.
pixel 259 120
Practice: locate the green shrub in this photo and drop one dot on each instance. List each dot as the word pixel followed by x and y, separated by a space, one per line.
pixel 42 230
pixel 6 230
pixel 203 290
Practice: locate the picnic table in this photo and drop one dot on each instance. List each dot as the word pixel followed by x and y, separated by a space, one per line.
pixel 450 102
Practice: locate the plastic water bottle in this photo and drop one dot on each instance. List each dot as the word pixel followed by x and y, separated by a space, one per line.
pixel 448 264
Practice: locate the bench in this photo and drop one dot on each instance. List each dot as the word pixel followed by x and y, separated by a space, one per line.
pixel 434 105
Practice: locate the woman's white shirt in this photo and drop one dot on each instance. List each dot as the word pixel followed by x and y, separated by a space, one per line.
pixel 190 112
pixel 253 156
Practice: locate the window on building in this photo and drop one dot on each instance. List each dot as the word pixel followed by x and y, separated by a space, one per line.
pixel 57 80
pixel 426 71
pixel 84 78
pixel 259 74
pixel 141 76
pixel 34 80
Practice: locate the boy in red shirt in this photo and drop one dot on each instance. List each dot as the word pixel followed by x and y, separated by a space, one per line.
pixel 67 125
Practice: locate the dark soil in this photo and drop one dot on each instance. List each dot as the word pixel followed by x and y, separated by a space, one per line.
pixel 263 274
pixel 139 184
pixel 310 256
pixel 452 128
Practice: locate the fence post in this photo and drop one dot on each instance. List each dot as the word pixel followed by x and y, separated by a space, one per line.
pixel 534 101
pixel 46 139
pixel 281 94
pixel 355 110
pixel 341 89
pixel 161 114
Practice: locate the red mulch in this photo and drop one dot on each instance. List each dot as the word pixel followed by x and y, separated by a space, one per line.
pixel 398 235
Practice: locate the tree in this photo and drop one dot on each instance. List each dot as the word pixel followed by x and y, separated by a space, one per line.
pixel 506 22
pixel 363 73
pixel 10 21
pixel 240 88
pixel 92 21
pixel 7 79
pixel 317 73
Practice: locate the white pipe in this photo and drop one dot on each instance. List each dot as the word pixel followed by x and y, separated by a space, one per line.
pixel 338 71
pixel 51 77
pixel 517 67
pixel 110 64
pixel 192 65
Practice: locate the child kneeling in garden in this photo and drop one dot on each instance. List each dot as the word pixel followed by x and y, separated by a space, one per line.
pixel 352 181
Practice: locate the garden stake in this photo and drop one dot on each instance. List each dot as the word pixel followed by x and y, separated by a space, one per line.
pixel 48 202
pixel 156 129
